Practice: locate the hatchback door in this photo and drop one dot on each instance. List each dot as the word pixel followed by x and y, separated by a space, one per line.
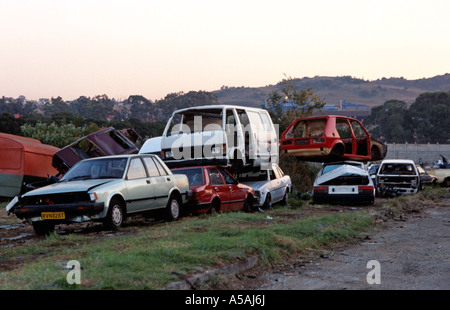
pixel 222 190
pixel 237 193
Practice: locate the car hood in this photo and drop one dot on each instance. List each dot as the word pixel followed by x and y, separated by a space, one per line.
pixel 68 187
pixel 344 169
pixel 256 185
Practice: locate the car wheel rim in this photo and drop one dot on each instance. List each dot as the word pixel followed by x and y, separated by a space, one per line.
pixel 116 216
pixel 174 208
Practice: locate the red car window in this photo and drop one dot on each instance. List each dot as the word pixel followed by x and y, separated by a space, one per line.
pixel 215 177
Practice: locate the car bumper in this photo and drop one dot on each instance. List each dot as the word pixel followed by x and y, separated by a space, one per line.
pixel 69 209
pixel 363 198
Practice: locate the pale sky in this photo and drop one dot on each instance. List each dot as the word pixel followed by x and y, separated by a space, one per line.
pixel 73 48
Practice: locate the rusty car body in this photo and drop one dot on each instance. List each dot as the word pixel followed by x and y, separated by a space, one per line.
pixel 104 142
pixel 23 160
pixel 330 138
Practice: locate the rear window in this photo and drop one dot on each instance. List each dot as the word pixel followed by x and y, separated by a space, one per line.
pixel 348 179
pixel 195 175
pixel 331 167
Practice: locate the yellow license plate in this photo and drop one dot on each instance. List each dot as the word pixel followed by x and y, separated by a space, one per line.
pixel 53 215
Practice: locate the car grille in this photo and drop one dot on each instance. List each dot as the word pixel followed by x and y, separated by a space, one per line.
pixel 56 198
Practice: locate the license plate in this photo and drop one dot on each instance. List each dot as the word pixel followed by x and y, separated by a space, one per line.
pixel 343 190
pixel 53 215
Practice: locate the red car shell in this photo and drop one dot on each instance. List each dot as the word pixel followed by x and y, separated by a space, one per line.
pixel 329 138
pixel 214 188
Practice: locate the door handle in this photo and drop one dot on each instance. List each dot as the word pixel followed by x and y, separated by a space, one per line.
pixel 168 179
pixel 148 181
pixel 215 187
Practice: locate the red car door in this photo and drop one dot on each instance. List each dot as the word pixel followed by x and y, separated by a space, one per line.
pixel 237 193
pixel 219 188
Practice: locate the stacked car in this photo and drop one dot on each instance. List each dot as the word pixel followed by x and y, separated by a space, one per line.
pixel 211 159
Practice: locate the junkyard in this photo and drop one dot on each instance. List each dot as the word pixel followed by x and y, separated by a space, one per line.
pixel 139 219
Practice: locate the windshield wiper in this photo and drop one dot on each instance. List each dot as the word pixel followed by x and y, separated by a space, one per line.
pixel 80 177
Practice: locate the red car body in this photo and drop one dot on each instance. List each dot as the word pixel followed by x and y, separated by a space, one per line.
pixel 214 188
pixel 330 138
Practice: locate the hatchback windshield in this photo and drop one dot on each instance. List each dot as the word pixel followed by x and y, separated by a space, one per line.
pixel 102 168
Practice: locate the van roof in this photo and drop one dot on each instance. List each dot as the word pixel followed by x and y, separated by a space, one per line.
pixel 218 106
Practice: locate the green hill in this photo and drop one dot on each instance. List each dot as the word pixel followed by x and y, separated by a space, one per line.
pixel 334 89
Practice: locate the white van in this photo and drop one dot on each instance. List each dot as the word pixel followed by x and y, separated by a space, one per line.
pixel 233 136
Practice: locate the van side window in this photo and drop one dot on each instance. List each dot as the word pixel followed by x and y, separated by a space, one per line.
pixel 243 117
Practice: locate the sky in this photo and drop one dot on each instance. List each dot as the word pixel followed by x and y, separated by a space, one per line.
pixel 73 48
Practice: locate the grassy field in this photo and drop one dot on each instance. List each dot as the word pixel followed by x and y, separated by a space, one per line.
pixel 148 256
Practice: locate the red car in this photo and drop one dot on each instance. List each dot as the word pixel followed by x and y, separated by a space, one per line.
pixel 215 188
pixel 330 138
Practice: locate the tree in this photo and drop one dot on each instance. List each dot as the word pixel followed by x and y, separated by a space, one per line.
pixel 428 118
pixel 292 103
pixel 59 136
pixel 387 122
pixel 284 108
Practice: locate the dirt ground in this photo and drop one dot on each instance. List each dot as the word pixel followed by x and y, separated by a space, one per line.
pixel 413 252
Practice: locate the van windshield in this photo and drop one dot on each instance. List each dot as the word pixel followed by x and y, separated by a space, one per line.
pixel 196 120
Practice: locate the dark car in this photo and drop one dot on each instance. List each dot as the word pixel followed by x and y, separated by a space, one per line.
pixel 425 177
pixel 330 138
pixel 215 189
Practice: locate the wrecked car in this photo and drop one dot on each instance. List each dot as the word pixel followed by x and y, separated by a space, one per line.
pixel 330 138
pixel 235 137
pixel 104 142
pixel 215 189
pixel 23 160
pixel 106 189
pixel 271 186
pixel 343 182
pixel 397 177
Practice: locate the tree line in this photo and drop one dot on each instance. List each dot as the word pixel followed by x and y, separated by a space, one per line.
pixel 426 120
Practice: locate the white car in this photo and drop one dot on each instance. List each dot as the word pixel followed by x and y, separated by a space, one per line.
pixel 270 186
pixel 397 177
pixel 343 182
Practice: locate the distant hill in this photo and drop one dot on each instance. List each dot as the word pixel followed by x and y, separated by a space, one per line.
pixel 334 89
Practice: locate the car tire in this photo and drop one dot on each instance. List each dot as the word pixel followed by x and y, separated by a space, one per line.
pixel 215 206
pixel 268 202
pixel 173 208
pixel 43 228
pixel 115 217
pixel 248 204
pixel 284 201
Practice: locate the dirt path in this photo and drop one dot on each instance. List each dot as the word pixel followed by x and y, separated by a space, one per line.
pixel 413 254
